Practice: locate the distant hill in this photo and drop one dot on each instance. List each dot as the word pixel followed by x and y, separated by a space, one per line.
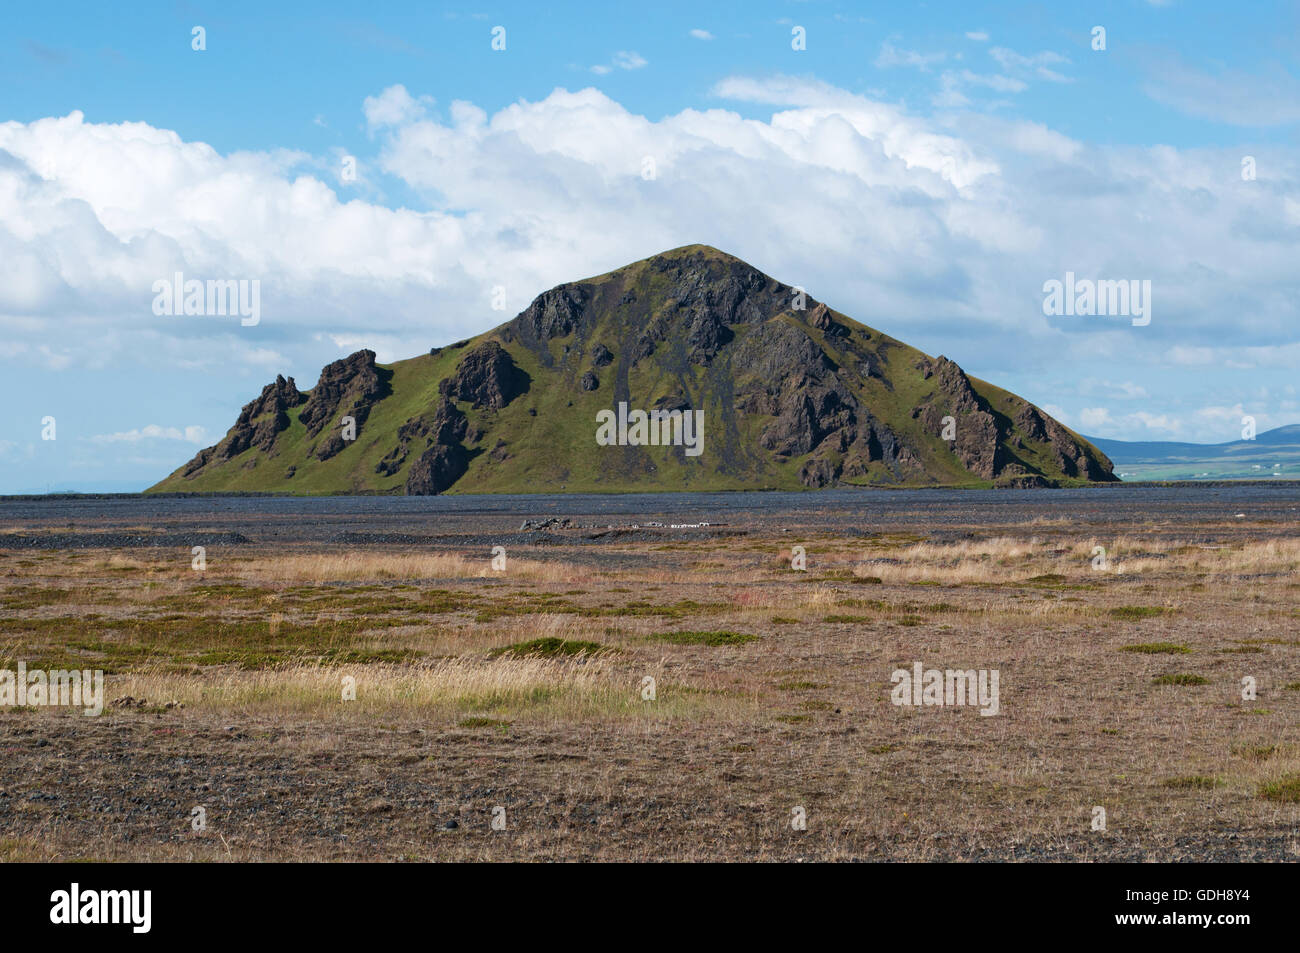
pixel 790 394
pixel 1275 451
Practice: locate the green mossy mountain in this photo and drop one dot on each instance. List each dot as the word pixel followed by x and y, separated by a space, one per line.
pixel 791 398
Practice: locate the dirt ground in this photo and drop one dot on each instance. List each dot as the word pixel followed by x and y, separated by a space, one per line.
pixel 610 689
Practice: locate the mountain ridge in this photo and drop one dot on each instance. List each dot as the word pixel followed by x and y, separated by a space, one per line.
pixel 1275 451
pixel 791 394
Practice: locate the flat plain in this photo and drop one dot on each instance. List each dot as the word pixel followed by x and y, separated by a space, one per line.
pixel 633 684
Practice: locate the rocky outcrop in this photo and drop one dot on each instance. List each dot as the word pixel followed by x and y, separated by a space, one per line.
pixel 487 378
pixel 553 314
pixel 808 412
pixel 986 442
pixel 329 445
pixel 437 469
pixel 976 436
pixel 820 318
pixel 441 455
pixel 259 423
pixel 347 388
pixel 445 427
pixel 726 291
pixel 1073 458
pixel 708 299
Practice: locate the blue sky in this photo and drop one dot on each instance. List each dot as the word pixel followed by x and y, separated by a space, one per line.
pixel 923 168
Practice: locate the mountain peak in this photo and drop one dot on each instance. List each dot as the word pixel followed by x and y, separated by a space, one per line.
pixel 785 391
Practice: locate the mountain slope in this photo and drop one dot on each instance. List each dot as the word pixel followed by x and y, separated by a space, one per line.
pixel 1274 452
pixel 790 397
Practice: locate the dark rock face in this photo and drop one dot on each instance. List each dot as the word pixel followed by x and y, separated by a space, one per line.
pixel 437 438
pixel 601 356
pixel 727 292
pixel 445 427
pixel 590 381
pixel 329 446
pixel 982 435
pixel 437 469
pixel 707 336
pixel 259 423
pixel 552 314
pixel 669 404
pixel 792 380
pixel 807 412
pixel 1031 481
pixel 487 377
pixel 347 387
pixel 820 318
pixel 1073 458
pixel 977 436
pixel 710 297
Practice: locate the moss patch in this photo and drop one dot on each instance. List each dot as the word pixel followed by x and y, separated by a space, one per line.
pixel 550 647
pixel 705 638
pixel 1156 648
pixel 1181 678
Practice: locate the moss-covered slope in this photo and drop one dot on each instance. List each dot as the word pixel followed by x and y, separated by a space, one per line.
pixel 792 395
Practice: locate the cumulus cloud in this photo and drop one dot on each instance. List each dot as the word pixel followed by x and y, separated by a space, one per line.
pixel 941 232
pixel 701 34
pixel 394 106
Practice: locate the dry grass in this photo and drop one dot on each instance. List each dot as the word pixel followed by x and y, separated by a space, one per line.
pixel 372 567
pixel 738 731
pixel 519 687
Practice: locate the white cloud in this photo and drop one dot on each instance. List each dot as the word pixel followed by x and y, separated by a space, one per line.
pixel 394 106
pixel 979 36
pixel 1139 425
pixel 192 434
pixel 623 59
pixel 1220 415
pixel 628 59
pixel 940 232
pixel 701 34
pixel 1124 390
pixel 1039 64
pixel 891 55
pixel 1269 97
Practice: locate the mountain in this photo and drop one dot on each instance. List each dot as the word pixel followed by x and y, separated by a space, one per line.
pixel 1274 452
pixel 786 396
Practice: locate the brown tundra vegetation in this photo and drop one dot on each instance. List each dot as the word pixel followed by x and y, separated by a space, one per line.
pixel 608 689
